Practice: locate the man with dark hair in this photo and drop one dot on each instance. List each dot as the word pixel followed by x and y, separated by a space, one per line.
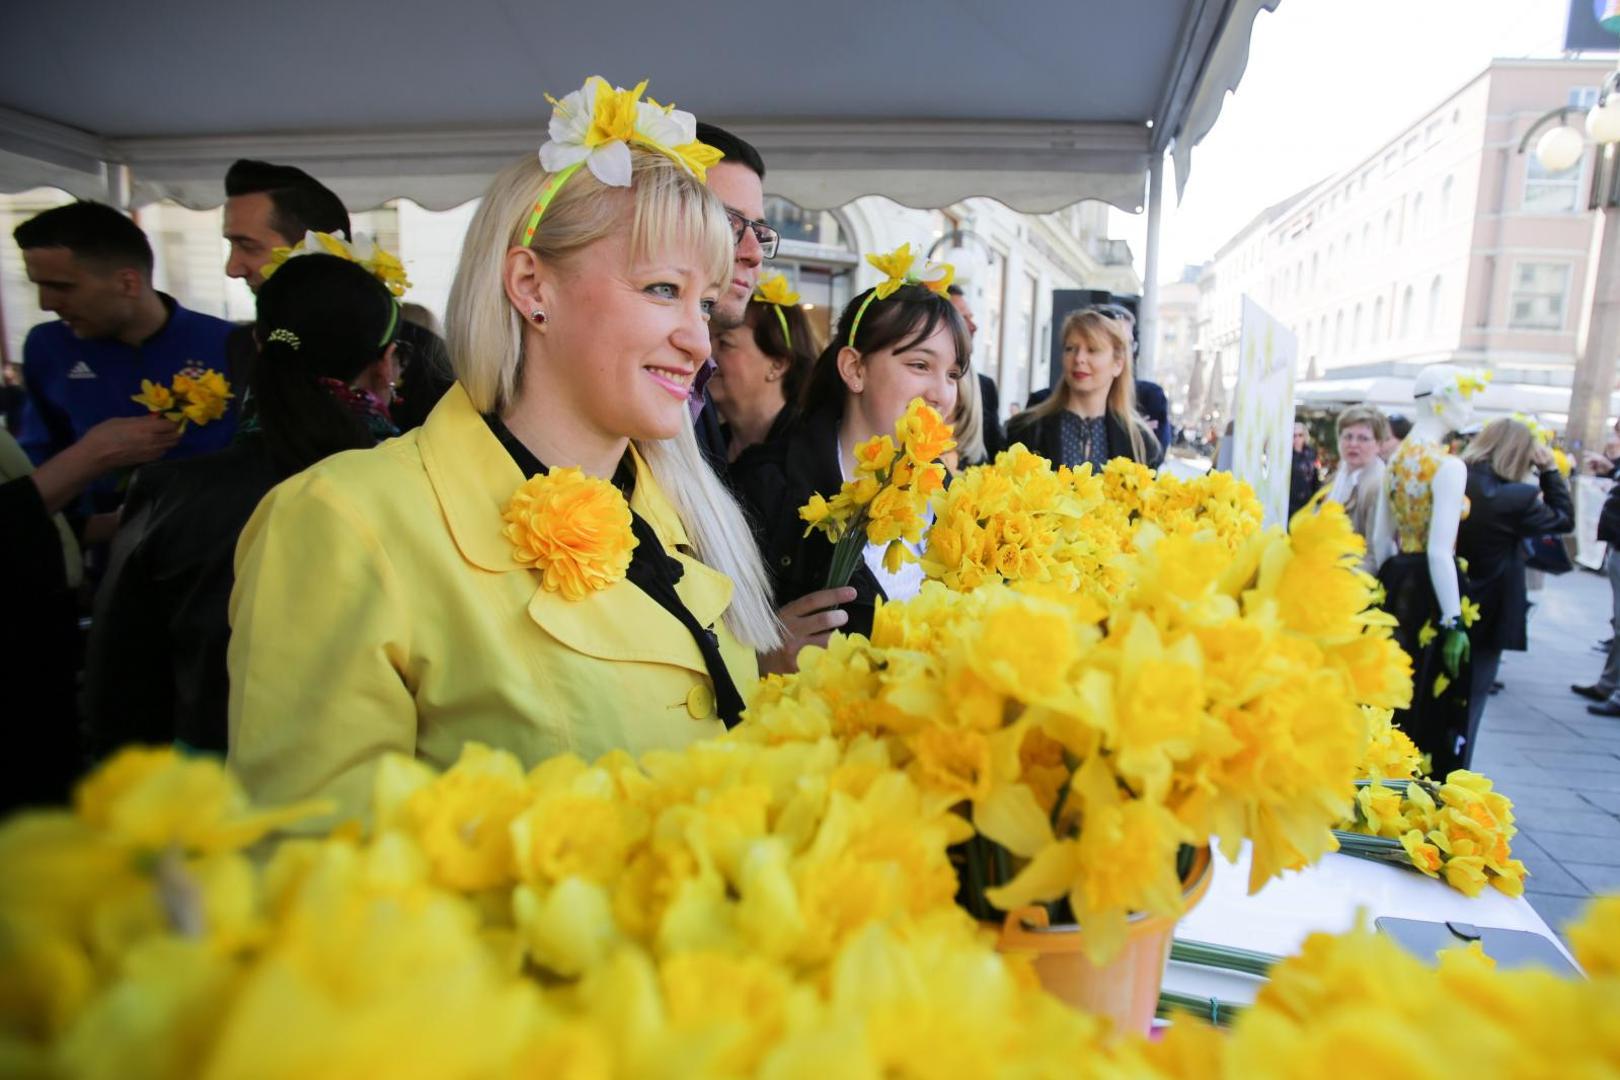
pixel 93 268
pixel 269 206
pixel 738 180
pixel 995 436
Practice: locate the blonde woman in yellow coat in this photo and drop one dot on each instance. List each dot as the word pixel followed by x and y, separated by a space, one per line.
pixel 378 605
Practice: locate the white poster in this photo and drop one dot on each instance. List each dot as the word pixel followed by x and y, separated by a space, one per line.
pixel 1264 412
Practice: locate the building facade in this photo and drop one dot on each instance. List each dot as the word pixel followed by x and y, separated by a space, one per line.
pixel 1446 244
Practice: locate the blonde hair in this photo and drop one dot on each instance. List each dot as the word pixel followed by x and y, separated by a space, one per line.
pixel 665 208
pixel 1507 445
pixel 1098 331
pixel 968 420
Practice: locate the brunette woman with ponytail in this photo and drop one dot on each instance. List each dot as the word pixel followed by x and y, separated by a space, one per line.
pixel 156 668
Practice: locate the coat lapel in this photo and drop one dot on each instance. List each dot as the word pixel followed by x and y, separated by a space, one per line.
pixel 473 477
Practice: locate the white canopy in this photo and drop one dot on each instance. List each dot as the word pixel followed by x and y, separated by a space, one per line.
pixel 1037 103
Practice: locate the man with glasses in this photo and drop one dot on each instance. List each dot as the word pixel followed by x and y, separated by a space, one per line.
pixel 738 180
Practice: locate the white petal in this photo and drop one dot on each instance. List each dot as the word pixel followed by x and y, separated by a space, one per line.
pixel 687 123
pixel 571 117
pixel 611 164
pixel 555 157
pixel 654 126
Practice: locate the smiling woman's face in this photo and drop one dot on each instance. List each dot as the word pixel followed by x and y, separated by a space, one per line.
pixel 627 335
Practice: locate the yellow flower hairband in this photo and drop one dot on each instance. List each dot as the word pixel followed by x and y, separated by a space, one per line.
pixel 596 125
pixel 1466 385
pixel 775 292
pixel 901 267
pixel 364 252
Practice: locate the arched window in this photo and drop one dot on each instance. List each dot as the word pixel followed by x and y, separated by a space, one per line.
pixel 1378 320
pixel 1366 238
pixel 1406 312
pixel 1355 329
pixel 1447 187
pixel 1417 214
pixel 1316 263
pixel 1432 317
pixel 1389 229
pixel 1338 332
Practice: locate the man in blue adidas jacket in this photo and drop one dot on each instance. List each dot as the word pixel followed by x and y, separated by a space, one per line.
pixel 93 268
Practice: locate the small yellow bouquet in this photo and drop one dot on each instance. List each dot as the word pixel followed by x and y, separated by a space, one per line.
pixel 189 399
pixel 887 501
pixel 1459 831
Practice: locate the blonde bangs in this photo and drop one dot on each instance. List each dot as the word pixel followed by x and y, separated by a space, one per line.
pixel 673 214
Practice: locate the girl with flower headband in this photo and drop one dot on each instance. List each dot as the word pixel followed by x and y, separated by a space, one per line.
pixel 901 340
pixel 156 670
pixel 547 565
pixel 762 366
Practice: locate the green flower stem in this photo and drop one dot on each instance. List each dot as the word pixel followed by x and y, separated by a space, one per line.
pixel 847 552
pixel 1218 1012
pixel 1205 954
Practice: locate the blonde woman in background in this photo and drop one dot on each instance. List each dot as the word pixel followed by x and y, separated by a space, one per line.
pixel 1091 416
pixel 379 607
pixel 1362 430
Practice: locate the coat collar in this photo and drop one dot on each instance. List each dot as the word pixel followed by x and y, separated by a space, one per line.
pixel 473 478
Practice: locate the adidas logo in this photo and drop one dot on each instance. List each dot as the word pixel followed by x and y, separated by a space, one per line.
pixel 81 370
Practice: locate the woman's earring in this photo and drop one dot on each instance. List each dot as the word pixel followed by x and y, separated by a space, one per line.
pixel 538 316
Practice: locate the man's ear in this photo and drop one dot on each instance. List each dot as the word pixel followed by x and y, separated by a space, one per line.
pixel 852 369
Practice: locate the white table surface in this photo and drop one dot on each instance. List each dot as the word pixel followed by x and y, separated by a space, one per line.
pixel 1324 897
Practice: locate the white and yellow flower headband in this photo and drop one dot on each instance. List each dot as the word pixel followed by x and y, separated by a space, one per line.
pixel 363 251
pixel 1466 385
pixel 596 125
pixel 901 267
pixel 775 292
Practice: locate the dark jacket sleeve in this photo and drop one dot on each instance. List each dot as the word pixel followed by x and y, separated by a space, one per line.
pixel 995 437
pixel 128 681
pixel 1551 515
pixel 1608 529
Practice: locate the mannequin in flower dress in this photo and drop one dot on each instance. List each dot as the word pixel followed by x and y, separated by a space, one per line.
pixel 1414 544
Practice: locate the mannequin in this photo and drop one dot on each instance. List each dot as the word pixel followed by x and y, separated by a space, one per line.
pixel 1414 543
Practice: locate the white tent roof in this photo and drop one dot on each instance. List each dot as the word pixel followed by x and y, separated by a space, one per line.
pixel 1038 103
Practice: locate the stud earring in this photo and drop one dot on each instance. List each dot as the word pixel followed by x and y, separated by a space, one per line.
pixel 538 316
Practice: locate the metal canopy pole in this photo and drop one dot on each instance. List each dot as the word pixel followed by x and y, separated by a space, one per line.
pixel 1147 317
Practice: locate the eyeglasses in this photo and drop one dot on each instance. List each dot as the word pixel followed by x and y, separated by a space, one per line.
pixel 768 237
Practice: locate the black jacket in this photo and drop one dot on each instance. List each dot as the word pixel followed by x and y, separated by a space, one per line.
pixel 1608 529
pixel 772 480
pixel 1501 516
pixel 1043 437
pixel 156 665
pixel 995 436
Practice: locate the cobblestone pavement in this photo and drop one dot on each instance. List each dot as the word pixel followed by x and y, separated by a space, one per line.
pixel 1558 763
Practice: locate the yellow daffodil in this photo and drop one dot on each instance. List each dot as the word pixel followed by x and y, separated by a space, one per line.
pixel 1426 634
pixel 895 267
pixel 1470 612
pixel 774 290
pixel 155 397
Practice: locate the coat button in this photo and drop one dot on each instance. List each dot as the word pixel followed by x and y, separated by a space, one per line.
pixel 700 702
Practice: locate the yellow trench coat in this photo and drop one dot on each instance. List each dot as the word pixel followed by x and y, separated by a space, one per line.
pixel 378 608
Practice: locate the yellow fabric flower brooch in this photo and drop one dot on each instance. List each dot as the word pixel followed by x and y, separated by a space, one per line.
pixel 573 528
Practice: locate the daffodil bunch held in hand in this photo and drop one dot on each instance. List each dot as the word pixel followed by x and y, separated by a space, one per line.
pixel 193 397
pixel 887 501
pixel 1219 694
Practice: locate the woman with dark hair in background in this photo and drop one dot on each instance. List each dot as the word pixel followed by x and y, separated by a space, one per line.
pixel 1091 418
pixel 1504 510
pixel 156 673
pixel 761 368
pixel 912 344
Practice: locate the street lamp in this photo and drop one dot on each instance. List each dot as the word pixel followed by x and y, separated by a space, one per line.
pixel 1560 148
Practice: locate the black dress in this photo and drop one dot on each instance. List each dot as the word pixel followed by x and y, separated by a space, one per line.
pixel 1501 516
pixel 772 480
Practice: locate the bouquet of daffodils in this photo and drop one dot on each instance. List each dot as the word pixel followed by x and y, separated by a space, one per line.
pixel 1458 831
pixel 886 502
pixel 1219 692
pixel 192 397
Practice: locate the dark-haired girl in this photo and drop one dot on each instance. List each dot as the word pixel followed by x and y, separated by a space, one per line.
pixel 156 668
pixel 912 344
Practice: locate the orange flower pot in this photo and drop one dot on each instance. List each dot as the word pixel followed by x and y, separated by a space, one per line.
pixel 1125 989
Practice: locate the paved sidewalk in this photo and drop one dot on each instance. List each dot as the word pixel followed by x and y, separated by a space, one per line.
pixel 1558 763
